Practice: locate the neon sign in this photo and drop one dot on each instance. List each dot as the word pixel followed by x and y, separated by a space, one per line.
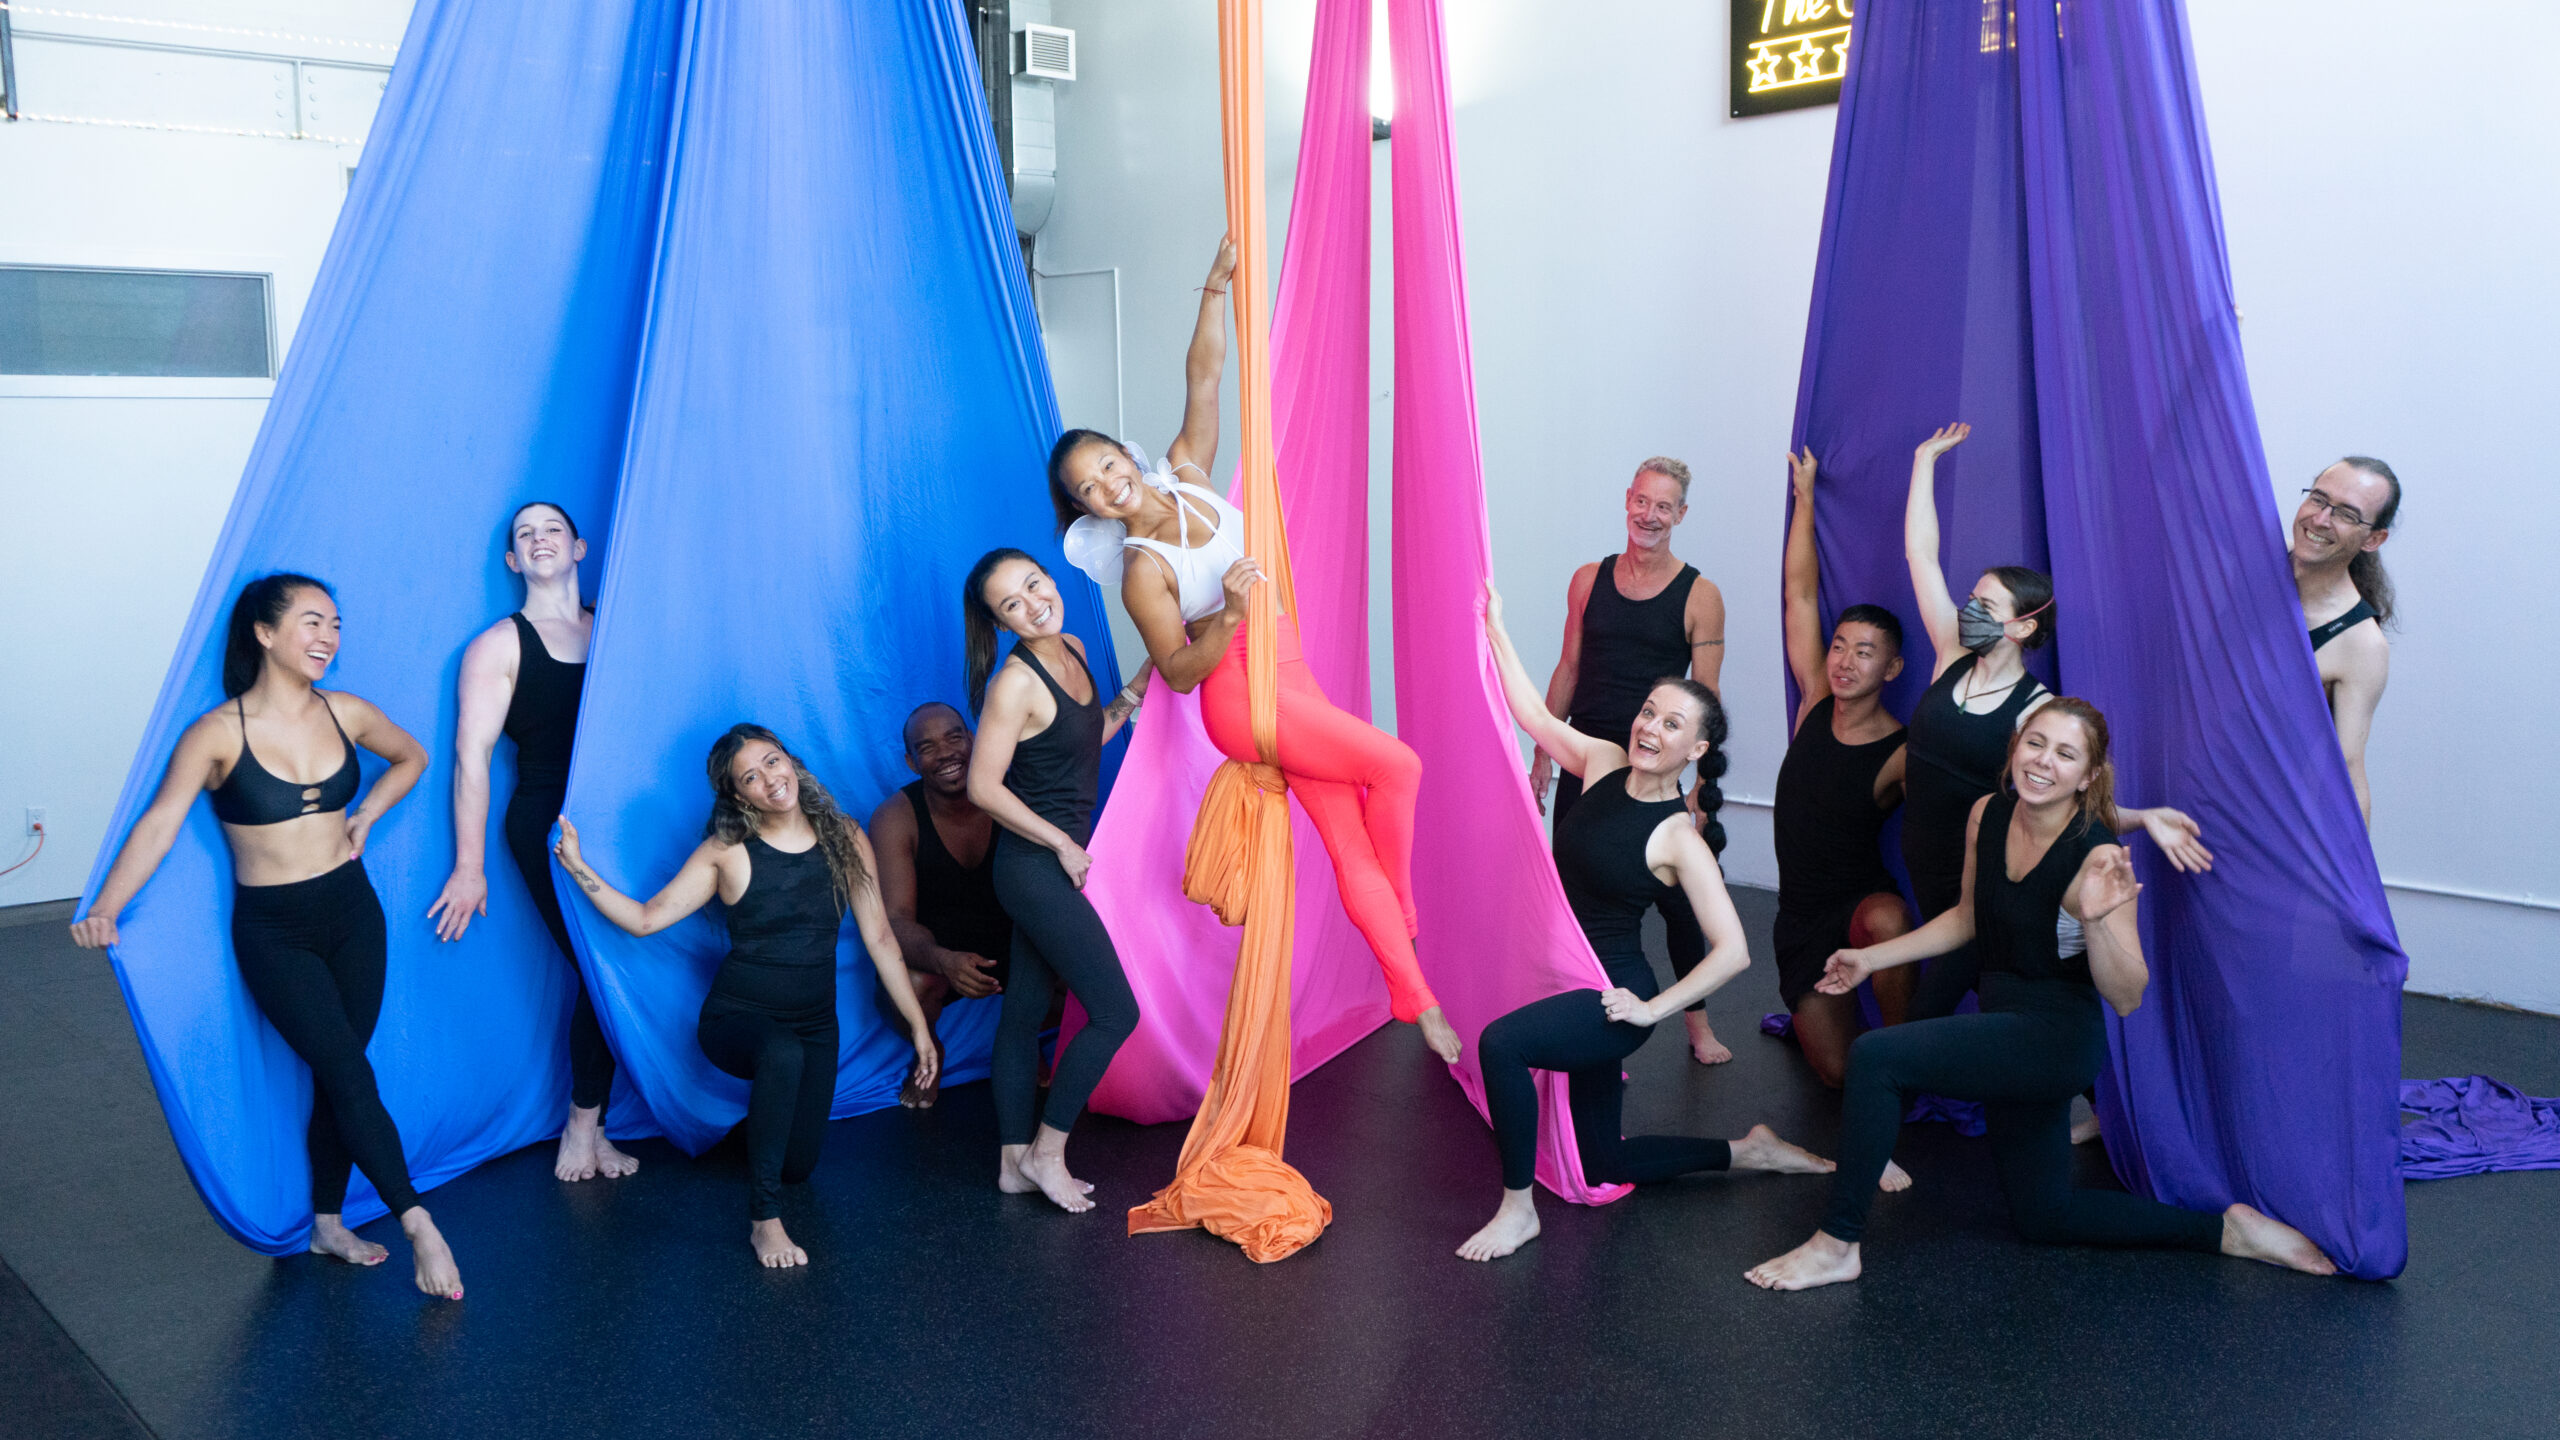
pixel 1788 54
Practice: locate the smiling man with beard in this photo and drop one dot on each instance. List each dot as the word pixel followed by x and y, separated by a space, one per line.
pixel 2346 598
pixel 937 875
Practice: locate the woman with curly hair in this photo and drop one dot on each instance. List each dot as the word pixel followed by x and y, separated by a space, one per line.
pixel 788 864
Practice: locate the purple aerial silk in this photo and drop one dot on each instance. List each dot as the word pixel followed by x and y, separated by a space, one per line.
pixel 2473 1125
pixel 2022 233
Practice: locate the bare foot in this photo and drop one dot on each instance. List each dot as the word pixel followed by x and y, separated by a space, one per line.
pixel 1763 1150
pixel 612 1163
pixel 1821 1260
pixel 774 1250
pixel 1704 1047
pixel 1513 1225
pixel 1046 1171
pixel 331 1237
pixel 437 1274
pixel 2255 1235
pixel 1441 1036
pixel 2084 1131
pixel 1894 1178
pixel 919 1097
pixel 579 1158
pixel 1009 1176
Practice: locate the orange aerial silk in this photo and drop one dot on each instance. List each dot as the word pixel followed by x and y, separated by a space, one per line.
pixel 1231 1180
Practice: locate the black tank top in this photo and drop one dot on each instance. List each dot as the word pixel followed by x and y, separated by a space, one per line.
pixel 254 795
pixel 1058 771
pixel 1956 757
pixel 1828 829
pixel 782 935
pixel 2356 615
pixel 1626 646
pixel 542 717
pixel 1600 847
pixel 2013 921
pixel 957 904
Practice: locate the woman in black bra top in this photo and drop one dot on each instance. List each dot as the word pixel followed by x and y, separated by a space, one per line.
pixel 788 864
pixel 522 678
pixel 2049 907
pixel 1035 769
pixel 306 928
pixel 1627 842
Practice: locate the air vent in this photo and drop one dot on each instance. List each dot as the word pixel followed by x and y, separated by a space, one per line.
pixel 1044 52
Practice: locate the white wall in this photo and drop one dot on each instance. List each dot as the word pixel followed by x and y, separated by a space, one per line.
pixel 1639 267
pixel 112 491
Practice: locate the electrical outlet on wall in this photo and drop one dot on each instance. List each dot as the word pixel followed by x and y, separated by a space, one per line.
pixel 35 819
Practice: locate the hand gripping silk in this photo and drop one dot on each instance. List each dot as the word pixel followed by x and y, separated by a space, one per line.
pixel 2022 233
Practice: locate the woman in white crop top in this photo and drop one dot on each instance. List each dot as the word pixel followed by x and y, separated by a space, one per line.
pixel 1186 586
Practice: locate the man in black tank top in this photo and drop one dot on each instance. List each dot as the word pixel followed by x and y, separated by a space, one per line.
pixel 2346 598
pixel 936 854
pixel 1841 779
pixel 1631 619
pixel 523 678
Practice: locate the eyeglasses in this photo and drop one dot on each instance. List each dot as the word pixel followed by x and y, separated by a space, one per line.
pixel 2343 514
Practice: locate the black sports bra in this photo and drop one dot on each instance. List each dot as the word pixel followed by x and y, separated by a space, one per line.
pixel 253 795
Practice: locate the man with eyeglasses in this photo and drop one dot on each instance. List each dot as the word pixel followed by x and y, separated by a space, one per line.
pixel 2346 598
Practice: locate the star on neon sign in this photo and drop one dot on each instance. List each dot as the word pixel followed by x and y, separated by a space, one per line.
pixel 1807 58
pixel 1764 70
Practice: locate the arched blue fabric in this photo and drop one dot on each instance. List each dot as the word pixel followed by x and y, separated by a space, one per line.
pixel 843 403
pixel 2022 232
pixel 470 344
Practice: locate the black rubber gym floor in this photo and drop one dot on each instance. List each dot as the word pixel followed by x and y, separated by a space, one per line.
pixel 936 1306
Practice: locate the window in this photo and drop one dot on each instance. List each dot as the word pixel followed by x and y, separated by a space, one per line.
pixel 58 320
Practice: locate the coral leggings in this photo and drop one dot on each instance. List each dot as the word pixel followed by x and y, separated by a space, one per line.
pixel 1357 783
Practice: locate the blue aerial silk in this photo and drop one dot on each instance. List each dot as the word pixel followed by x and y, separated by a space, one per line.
pixel 2023 233
pixel 533 244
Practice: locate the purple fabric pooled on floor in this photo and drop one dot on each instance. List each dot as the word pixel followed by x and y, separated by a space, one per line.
pixel 2472 1125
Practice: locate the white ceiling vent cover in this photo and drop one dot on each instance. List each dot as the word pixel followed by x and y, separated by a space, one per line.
pixel 1044 52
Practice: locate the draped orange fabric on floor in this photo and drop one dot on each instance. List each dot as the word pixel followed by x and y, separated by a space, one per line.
pixel 1231 1180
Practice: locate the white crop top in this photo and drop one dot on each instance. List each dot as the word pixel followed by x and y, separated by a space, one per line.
pixel 1199 571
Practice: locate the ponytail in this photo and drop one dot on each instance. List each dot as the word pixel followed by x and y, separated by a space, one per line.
pixel 1711 766
pixel 978 623
pixel 263 601
pixel 2372 584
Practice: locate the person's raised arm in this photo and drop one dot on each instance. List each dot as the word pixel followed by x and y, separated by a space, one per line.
pixel 872 917
pixel 1000 727
pixel 1568 672
pixel 369 727
pixel 191 771
pixel 1197 446
pixel 2174 831
pixel 1803 592
pixel 1920 546
pixel 1728 952
pixel 2101 898
pixel 1950 931
pixel 691 889
pixel 2357 695
pixel 488 684
pixel 1574 750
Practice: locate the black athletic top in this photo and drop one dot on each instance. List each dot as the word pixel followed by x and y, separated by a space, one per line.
pixel 542 716
pixel 1058 772
pixel 254 795
pixel 782 936
pixel 1626 646
pixel 958 905
pixel 1828 828
pixel 1600 847
pixel 2013 922
pixel 1955 760
pixel 2356 615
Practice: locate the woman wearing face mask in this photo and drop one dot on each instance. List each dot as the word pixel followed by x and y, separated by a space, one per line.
pixel 1036 768
pixel 1188 596
pixel 788 864
pixel 1628 841
pixel 2048 904
pixel 1961 728
pixel 306 927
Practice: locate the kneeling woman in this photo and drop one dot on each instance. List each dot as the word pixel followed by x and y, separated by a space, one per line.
pixel 306 928
pixel 1627 842
pixel 2048 906
pixel 788 864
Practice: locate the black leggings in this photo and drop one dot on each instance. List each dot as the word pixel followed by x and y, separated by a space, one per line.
pixel 2041 1044
pixel 313 956
pixel 1952 976
pixel 790 1070
pixel 1682 935
pixel 530 813
pixel 1570 1032
pixel 1056 936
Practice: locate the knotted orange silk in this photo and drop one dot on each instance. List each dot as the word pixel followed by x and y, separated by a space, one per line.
pixel 1231 1180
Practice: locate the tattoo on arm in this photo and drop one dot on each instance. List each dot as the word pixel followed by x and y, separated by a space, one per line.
pixel 587 880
